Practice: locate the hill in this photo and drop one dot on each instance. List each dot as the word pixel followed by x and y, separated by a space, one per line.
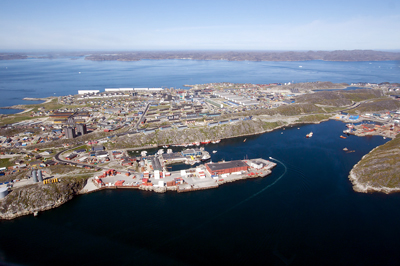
pixel 378 170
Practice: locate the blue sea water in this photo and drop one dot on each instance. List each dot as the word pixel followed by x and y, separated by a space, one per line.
pixel 304 213
pixel 64 76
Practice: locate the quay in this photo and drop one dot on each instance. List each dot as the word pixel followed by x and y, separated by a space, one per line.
pixel 205 176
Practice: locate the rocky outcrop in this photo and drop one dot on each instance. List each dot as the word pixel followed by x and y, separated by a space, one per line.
pixel 241 128
pixel 378 170
pixel 39 197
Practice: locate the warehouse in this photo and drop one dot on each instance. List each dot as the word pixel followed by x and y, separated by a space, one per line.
pixel 171 157
pixel 226 167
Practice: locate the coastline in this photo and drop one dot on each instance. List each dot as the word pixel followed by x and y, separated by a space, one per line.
pixel 357 186
pixel 27 107
pixel 366 188
pixel 361 171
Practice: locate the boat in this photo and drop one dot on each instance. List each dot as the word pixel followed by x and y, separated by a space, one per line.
pixel 244 140
pixel 214 151
pixel 205 142
pixel 345 149
pixel 343 137
pixel 309 135
pixel 205 157
pixel 165 146
pixel 216 141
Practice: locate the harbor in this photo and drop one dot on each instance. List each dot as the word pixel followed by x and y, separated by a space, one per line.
pixel 207 176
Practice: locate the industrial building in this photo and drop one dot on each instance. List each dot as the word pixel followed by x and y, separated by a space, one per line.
pixel 226 167
pixel 191 152
pixel 81 128
pixel 88 91
pixel 70 132
pixel 171 157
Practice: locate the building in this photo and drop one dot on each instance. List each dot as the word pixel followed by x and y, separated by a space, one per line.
pixel 61 115
pixel 226 167
pixel 98 148
pixel 70 132
pixel 81 128
pixel 191 152
pixel 88 91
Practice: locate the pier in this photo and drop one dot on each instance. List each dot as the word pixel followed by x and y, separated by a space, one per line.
pixel 199 178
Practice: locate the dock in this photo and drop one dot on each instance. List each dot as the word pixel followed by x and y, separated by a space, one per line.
pixel 205 176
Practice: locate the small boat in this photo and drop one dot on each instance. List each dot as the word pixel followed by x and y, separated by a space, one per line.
pixel 345 149
pixel 309 135
pixel 244 140
pixel 205 157
pixel 205 142
pixel 214 151
pixel 165 146
pixel 343 137
pixel 216 141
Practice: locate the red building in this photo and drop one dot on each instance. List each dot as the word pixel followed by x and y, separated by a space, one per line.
pixel 226 167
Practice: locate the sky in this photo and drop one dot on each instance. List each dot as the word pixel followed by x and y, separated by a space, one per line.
pixel 199 25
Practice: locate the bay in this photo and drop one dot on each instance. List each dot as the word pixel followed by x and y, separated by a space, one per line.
pixel 38 78
pixel 305 212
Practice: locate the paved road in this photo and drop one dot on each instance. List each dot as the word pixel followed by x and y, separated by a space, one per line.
pixel 143 115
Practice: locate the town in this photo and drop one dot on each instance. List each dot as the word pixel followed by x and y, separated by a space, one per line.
pixel 82 131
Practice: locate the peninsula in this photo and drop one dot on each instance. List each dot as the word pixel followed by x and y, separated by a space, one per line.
pixel 89 141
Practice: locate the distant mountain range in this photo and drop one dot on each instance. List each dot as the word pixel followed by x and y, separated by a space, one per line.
pixel 339 55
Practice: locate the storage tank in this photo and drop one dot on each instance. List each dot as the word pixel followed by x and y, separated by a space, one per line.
pixel 40 177
pixel 3 192
pixel 34 176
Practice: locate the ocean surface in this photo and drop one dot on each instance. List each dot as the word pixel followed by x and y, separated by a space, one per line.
pixel 304 213
pixel 65 76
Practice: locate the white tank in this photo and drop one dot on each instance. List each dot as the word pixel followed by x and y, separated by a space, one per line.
pixel 3 192
pixel 40 177
pixel 34 176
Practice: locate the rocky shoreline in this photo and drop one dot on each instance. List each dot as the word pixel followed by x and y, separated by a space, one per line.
pixel 39 197
pixel 8 213
pixel 373 173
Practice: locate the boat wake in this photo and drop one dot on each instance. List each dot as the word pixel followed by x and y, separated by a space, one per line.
pixel 168 241
pixel 252 196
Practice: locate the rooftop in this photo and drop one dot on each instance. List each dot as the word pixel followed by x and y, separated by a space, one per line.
pixel 226 165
